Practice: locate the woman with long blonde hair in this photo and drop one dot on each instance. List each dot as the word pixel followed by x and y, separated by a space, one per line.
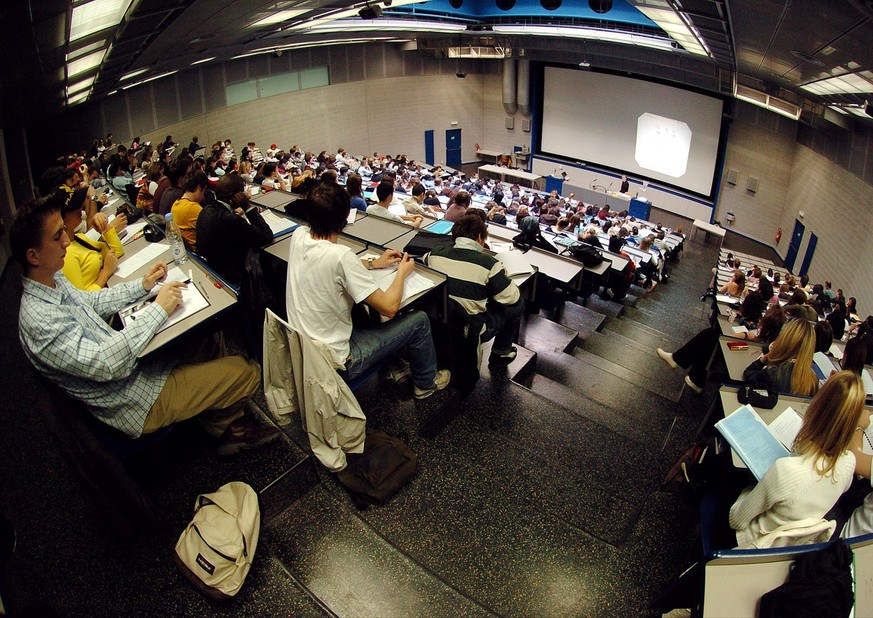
pixel 806 485
pixel 787 367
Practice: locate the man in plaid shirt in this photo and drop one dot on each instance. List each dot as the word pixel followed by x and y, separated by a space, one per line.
pixel 64 333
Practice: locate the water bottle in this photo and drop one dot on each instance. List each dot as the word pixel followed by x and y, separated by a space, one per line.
pixel 174 235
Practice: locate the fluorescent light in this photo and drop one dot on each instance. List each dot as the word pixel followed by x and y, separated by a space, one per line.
pixel 85 63
pixel 134 74
pixel 96 15
pixel 677 25
pixel 82 85
pixel 78 98
pixel 278 17
pixel 849 83
pixel 595 34
pixel 202 61
pixel 345 41
pixel 386 25
pixel 762 99
pixel 87 49
pixel 150 79
pixel 325 19
pixel 475 52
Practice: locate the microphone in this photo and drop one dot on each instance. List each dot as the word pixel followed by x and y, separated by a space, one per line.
pixel 609 187
pixel 594 182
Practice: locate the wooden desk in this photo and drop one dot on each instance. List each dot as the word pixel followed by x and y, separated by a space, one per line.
pixel 727 328
pixel 484 154
pixel 401 241
pixel 736 361
pixel 556 267
pixel 281 247
pixel 709 228
pixel 505 172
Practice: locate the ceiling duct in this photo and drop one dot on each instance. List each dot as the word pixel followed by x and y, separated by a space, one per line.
pixel 509 74
pixel 523 87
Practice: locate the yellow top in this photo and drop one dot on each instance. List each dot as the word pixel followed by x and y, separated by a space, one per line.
pixel 185 213
pixel 82 265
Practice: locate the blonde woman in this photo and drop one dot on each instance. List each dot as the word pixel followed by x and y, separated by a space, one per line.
pixel 787 367
pixel 807 484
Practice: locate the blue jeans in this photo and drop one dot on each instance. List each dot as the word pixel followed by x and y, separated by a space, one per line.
pixel 370 346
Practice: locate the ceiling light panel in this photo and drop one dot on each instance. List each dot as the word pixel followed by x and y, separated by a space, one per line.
pixel 82 85
pixel 85 63
pixel 96 15
pixel 386 25
pixel 592 34
pixel 72 54
pixel 278 17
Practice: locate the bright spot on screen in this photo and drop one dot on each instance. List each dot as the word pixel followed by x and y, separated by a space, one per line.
pixel 663 144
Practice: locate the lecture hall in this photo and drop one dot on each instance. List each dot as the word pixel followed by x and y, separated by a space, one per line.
pixel 436 307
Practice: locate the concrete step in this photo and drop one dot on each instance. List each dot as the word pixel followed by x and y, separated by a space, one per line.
pixel 642 334
pixel 576 317
pixel 625 359
pixel 351 569
pixel 606 307
pixel 541 334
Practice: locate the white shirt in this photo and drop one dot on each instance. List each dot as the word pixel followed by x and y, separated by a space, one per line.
pixel 380 211
pixel 324 281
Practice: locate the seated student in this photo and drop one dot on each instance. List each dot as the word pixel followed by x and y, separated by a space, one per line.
pixel 92 256
pixel 353 186
pixel 621 283
pixel 432 200
pixel 414 204
pixel 228 227
pixel 695 354
pixel 496 214
pixel 478 282
pixel 178 171
pixel 326 279
pixel 860 522
pixel 589 237
pixel 855 354
pixel 187 208
pixel 64 334
pixel 735 286
pixel 787 366
pixel 385 194
pixel 146 197
pixel 807 484
pixel 458 206
pixel 120 177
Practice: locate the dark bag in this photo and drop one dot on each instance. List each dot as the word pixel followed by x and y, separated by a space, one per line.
pixel 154 231
pixel 526 241
pixel 819 584
pixel 424 242
pixel 374 476
pixel 697 467
pixel 588 255
pixel 130 211
pixel 748 395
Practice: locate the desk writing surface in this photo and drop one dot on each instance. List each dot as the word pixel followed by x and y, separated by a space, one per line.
pixel 376 230
pixel 219 299
pixel 281 247
pixel 729 403
pixel 130 250
pixel 554 266
pixel 733 585
pixel 736 361
pixel 275 199
pixel 727 328
pixel 401 241
pixel 435 277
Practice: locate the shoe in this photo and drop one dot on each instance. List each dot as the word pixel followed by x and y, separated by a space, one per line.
pixel 693 386
pixel 502 359
pixel 401 374
pixel 667 357
pixel 246 434
pixel 441 381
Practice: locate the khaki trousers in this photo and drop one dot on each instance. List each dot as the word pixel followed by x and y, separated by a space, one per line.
pixel 216 390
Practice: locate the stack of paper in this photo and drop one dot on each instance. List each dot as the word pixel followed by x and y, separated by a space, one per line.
pixel 515 263
pixel 754 442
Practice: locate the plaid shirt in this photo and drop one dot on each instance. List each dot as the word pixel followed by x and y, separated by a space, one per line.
pixel 65 335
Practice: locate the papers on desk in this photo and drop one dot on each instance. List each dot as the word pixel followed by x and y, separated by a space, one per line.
pixel 739 329
pixel 192 301
pixel 786 426
pixel 500 247
pixel 752 440
pixel 133 230
pixel 515 263
pixel 822 366
pixel 415 283
pixel 836 351
pixel 724 298
pixel 353 216
pixel 143 257
pixel 279 225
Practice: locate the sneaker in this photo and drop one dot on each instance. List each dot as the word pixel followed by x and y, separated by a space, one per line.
pixel 693 386
pixel 401 374
pixel 667 357
pixel 441 381
pixel 245 434
pixel 502 358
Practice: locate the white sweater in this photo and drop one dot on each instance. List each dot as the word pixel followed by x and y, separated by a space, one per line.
pixel 792 490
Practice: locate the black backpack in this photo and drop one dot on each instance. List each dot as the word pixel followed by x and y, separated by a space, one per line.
pixel 588 255
pixel 425 242
pixel 374 476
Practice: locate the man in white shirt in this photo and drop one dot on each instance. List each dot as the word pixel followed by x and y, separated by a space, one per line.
pixel 385 194
pixel 326 279
pixel 414 204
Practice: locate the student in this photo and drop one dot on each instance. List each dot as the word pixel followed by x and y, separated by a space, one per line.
pixel 65 336
pixel 187 208
pixel 91 257
pixel 325 279
pixel 807 484
pixel 735 286
pixel 458 206
pixel 385 194
pixel 787 366
pixel 353 186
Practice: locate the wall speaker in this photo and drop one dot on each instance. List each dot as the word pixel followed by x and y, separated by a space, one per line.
pixel 525 125
pixel 505 5
pixel 510 122
pixel 752 184
pixel 370 12
pixel 456 4
pixel 600 6
pixel 732 177
pixel 550 5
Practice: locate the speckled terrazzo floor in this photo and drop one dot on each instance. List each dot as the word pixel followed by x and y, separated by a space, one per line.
pixel 537 498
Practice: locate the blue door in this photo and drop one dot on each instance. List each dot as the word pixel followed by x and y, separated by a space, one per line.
pixel 794 246
pixel 428 147
pixel 453 148
pixel 807 259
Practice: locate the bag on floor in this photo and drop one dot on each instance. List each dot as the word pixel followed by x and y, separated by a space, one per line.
pixel 374 476
pixel 216 549
pixel 696 467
